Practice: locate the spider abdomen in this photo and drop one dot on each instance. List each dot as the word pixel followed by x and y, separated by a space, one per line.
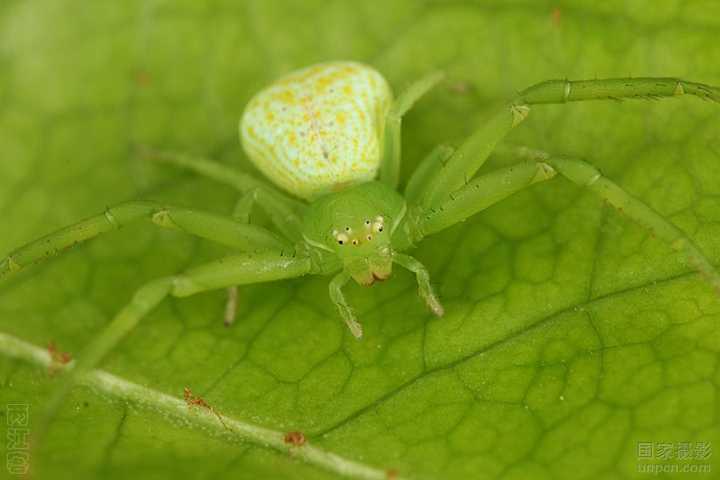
pixel 318 130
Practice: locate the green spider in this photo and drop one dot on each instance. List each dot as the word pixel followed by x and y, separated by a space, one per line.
pixel 322 134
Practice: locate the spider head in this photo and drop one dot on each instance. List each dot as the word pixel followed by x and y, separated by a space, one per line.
pixel 357 225
pixel 365 249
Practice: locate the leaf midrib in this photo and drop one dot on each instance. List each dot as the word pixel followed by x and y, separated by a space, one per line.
pixel 205 420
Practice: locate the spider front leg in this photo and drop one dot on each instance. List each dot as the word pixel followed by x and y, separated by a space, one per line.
pixel 562 91
pixel 455 170
pixel 489 189
pixel 464 163
pixel 475 196
pixel 425 172
pixel 235 270
pixel 586 175
pixel 202 224
pixel 392 155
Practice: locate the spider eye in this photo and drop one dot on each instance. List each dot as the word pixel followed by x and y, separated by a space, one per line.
pixel 369 237
pixel 341 238
pixel 367 222
pixel 378 224
pixel 355 242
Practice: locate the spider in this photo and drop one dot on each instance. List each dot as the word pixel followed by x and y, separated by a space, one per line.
pixel 323 135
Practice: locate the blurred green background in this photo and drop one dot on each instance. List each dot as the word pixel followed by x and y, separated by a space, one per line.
pixel 570 335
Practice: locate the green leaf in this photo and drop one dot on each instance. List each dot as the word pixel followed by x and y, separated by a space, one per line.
pixel 571 334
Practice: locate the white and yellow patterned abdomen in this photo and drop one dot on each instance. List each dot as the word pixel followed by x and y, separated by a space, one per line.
pixel 319 129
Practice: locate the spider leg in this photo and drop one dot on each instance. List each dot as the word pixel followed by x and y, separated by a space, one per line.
pixel 234 270
pixel 390 166
pixel 202 224
pixel 231 306
pixel 475 196
pixel 244 206
pixel 337 297
pixel 562 91
pixel 586 175
pixel 488 189
pixel 473 153
pixel 241 214
pixel 425 290
pixel 284 211
pixel 462 165
pixel 426 171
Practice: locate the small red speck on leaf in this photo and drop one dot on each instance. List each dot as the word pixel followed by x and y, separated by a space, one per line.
pixel 143 78
pixel 461 88
pixel 391 474
pixel 556 14
pixel 58 358
pixel 296 439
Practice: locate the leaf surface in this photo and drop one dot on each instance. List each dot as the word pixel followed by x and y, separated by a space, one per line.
pixel 570 334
